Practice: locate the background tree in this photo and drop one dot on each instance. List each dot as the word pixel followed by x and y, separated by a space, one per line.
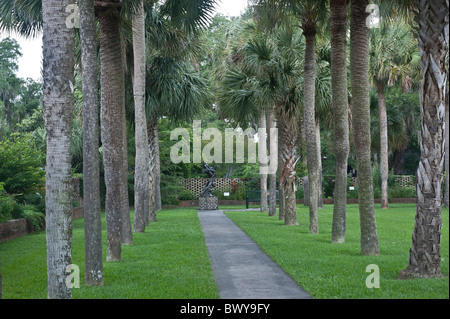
pixel 424 256
pixel 141 180
pixel 310 12
pixel 91 161
pixel 10 84
pixel 57 74
pixel 393 57
pixel 338 22
pixel 359 69
pixel 112 106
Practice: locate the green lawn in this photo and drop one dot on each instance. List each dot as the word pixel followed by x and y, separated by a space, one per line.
pixel 338 270
pixel 169 261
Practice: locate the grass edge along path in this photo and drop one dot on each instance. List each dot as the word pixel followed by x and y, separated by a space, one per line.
pixel 169 261
pixel 338 271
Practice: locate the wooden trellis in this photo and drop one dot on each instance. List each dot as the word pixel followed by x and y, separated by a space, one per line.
pixel 195 185
pixel 406 181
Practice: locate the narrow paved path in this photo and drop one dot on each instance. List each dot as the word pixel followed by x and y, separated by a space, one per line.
pixel 240 268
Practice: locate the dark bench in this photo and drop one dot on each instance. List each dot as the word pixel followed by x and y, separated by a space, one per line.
pixel 255 196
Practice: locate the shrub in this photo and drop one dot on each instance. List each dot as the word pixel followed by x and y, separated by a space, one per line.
pixel 35 219
pixel 328 186
pixel 300 192
pixel 238 194
pixel 6 208
pixel 17 211
pixel 402 193
pixel 6 205
pixel 37 200
pixel 20 165
pixel 185 195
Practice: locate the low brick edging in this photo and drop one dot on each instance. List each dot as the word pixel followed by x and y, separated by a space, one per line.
pixel 18 227
pixel 78 212
pixel 13 228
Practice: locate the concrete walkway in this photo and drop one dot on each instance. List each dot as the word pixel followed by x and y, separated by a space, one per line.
pixel 240 268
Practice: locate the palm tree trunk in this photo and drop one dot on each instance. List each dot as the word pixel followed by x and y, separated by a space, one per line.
pixel 425 253
pixel 304 160
pixel 141 189
pixel 280 185
pixel 271 124
pixel 384 164
pixel 447 164
pixel 359 68
pixel 288 151
pixel 319 159
pixel 91 171
pixel 112 102
pixel 338 21
pixel 262 156
pixel 158 202
pixel 57 73
pixel 127 234
pixel 310 126
pixel 153 145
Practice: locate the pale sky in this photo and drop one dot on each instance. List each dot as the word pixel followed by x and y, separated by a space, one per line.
pixel 30 63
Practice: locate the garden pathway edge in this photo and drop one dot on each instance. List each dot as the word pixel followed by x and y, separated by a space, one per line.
pixel 241 269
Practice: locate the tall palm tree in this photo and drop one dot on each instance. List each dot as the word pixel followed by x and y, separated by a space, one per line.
pixel 447 150
pixel 141 186
pixel 338 25
pixel 424 255
pixel 58 79
pixel 262 157
pixel 112 104
pixel 271 125
pixel 393 56
pixel 91 170
pixel 310 13
pixel 359 69
pixel 172 30
pixel 266 71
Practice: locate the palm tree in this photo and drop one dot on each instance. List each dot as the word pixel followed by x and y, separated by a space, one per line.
pixel 141 186
pixel 424 255
pixel 58 74
pixel 447 155
pixel 172 30
pixel 24 17
pixel 262 156
pixel 338 22
pixel 393 56
pixel 112 105
pixel 266 72
pixel 271 124
pixel 91 170
pixel 310 13
pixel 359 69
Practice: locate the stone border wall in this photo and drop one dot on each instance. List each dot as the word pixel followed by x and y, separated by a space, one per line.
pixel 13 228
pixel 19 227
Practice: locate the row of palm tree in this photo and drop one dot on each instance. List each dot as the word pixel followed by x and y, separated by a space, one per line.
pixel 373 59
pixel 113 18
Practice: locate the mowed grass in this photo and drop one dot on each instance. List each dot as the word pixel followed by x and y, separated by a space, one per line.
pixel 169 261
pixel 331 271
